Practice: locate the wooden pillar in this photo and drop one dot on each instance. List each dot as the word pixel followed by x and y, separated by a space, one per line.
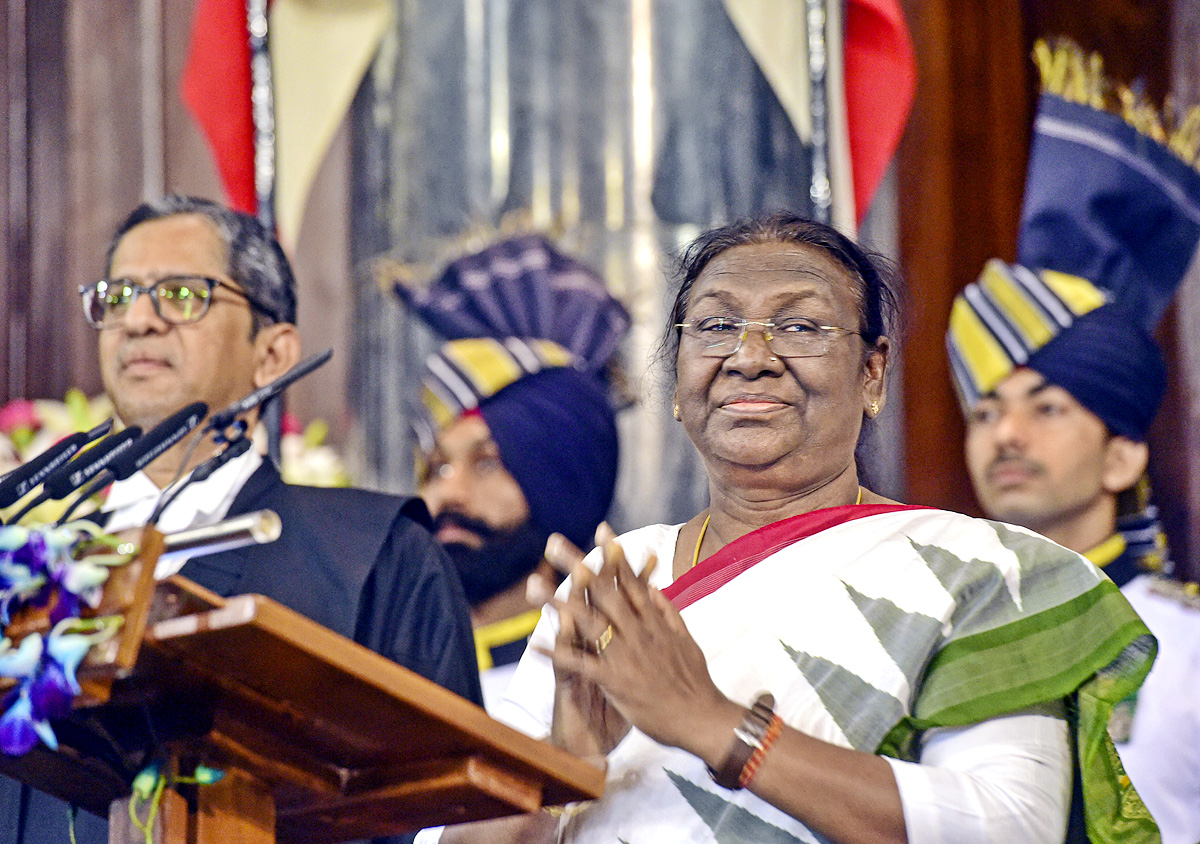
pixel 961 174
pixel 1177 437
pixel 237 808
pixel 169 825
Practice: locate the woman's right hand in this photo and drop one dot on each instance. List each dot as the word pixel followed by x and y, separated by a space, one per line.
pixel 585 722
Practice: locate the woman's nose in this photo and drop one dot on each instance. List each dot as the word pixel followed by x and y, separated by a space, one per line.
pixel 753 355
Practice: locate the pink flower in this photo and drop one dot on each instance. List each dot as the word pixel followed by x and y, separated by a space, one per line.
pixel 17 414
pixel 290 424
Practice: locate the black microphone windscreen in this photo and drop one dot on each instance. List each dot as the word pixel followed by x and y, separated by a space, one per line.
pixel 157 440
pixel 224 418
pixel 235 449
pixel 21 480
pixel 64 480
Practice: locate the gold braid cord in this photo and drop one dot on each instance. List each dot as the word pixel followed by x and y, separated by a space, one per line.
pixel 1069 72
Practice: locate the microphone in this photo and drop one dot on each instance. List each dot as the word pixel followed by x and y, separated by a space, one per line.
pixel 65 479
pixel 83 468
pixel 143 452
pixel 235 448
pixel 20 481
pixel 157 440
pixel 224 418
pixel 255 528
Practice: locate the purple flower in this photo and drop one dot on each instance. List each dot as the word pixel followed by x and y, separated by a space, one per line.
pixel 66 605
pixel 19 729
pixel 17 735
pixel 50 690
pixel 37 568
pixel 22 661
pixel 34 555
pixel 12 537
pixel 46 669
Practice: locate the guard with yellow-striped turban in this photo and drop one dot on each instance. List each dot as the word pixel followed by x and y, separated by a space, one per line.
pixel 1060 377
pixel 516 427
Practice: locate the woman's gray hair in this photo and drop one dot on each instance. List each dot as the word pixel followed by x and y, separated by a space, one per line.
pixel 254 258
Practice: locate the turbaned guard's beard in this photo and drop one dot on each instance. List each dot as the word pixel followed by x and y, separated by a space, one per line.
pixel 504 559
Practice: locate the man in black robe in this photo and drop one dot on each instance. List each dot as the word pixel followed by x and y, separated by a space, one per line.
pixel 198 304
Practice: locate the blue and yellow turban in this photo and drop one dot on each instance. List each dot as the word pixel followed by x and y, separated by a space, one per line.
pixel 1109 228
pixel 533 331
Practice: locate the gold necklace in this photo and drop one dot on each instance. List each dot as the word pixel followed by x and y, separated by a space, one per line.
pixel 700 540
pixel 704 529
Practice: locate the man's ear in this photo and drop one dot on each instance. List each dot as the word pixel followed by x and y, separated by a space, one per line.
pixel 276 350
pixel 1125 461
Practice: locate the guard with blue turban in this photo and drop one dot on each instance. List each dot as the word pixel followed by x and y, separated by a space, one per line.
pixel 516 427
pixel 1060 377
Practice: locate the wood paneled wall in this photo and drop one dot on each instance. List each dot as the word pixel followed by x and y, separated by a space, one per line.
pixel 1176 440
pixel 961 173
pixel 74 165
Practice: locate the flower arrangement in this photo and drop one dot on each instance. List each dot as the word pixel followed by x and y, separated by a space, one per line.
pixel 62 570
pixel 30 426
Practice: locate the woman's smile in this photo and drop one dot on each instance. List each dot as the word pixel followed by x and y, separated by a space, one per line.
pixel 752 404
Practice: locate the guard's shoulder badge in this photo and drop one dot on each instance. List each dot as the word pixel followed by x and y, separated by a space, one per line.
pixel 1187 594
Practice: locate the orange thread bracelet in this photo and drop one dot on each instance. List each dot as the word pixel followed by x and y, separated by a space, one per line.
pixel 747 737
pixel 755 760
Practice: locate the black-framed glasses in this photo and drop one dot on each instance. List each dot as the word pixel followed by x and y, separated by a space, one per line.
pixel 793 337
pixel 178 300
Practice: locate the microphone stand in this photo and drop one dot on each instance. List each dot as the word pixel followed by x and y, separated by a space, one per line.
pixel 102 479
pixel 236 444
pixel 272 419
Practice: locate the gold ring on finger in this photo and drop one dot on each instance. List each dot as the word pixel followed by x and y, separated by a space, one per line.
pixel 603 640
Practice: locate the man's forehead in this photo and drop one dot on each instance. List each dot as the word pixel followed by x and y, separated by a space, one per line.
pixel 1024 383
pixel 183 243
pixel 467 434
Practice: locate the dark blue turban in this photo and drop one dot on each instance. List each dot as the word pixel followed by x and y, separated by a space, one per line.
pixel 557 437
pixel 1109 229
pixel 531 331
pixel 1109 204
pixel 1111 365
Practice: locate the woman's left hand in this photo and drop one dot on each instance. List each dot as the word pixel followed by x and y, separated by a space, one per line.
pixel 633 644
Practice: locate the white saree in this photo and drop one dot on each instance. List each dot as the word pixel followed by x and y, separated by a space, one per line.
pixel 868 624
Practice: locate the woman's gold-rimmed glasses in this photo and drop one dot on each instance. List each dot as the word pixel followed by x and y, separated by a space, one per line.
pixel 793 337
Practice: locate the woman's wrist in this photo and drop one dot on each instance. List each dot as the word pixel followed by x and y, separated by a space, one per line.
pixel 750 740
pixel 708 736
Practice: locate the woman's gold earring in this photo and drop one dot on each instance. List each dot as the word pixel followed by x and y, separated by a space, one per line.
pixel 874 409
pixel 678 417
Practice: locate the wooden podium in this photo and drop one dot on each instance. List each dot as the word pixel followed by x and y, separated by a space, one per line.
pixel 320 739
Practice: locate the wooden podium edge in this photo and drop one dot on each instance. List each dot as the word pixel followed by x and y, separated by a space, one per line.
pixel 360 816
pixel 370 668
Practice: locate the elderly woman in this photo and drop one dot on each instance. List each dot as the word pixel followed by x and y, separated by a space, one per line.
pixel 820 664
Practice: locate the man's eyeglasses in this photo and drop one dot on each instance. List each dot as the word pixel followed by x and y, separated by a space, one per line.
pixel 178 300
pixel 794 337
